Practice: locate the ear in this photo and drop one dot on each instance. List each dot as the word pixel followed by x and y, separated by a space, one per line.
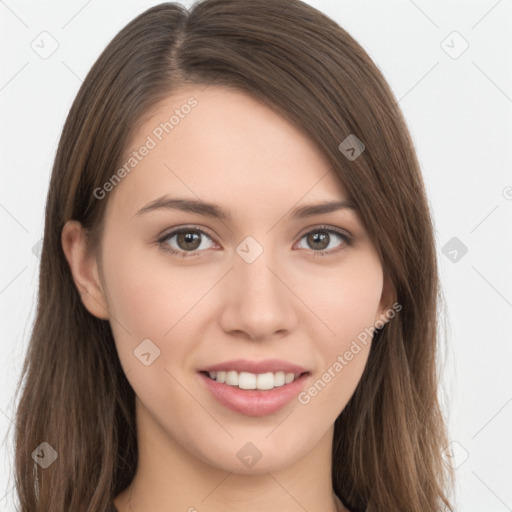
pixel 84 269
pixel 386 302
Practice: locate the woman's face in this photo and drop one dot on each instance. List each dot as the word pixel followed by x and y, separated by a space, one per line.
pixel 263 282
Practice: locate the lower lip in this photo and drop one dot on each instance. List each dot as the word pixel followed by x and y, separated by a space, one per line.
pixel 254 402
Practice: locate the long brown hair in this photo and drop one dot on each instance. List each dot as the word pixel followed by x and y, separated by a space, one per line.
pixel 389 439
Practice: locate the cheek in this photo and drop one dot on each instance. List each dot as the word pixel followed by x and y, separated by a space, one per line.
pixel 346 306
pixel 347 302
pixel 151 299
pixel 147 296
pixel 148 301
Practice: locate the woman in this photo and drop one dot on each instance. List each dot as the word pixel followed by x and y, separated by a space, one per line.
pixel 238 284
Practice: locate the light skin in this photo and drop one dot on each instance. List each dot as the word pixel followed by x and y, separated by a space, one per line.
pixel 290 303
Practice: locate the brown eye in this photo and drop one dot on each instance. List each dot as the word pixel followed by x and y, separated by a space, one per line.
pixel 187 240
pixel 323 238
pixel 318 240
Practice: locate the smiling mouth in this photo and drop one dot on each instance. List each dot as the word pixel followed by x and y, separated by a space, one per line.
pixel 252 381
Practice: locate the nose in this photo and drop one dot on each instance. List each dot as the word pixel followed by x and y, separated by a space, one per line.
pixel 258 302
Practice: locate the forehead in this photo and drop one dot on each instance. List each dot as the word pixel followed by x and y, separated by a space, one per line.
pixel 223 145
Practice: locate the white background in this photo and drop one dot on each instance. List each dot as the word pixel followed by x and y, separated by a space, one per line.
pixel 459 111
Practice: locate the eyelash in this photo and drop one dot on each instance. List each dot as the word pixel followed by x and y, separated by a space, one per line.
pixel 165 246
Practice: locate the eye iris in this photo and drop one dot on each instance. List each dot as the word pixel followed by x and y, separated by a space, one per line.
pixel 186 237
pixel 322 239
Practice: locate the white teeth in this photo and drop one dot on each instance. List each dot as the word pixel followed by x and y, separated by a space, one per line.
pixel 246 380
pixel 266 381
pixel 232 378
pixel 280 378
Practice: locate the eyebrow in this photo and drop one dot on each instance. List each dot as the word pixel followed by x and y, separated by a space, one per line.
pixel 215 211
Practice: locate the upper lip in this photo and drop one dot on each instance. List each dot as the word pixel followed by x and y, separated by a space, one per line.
pixel 264 366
